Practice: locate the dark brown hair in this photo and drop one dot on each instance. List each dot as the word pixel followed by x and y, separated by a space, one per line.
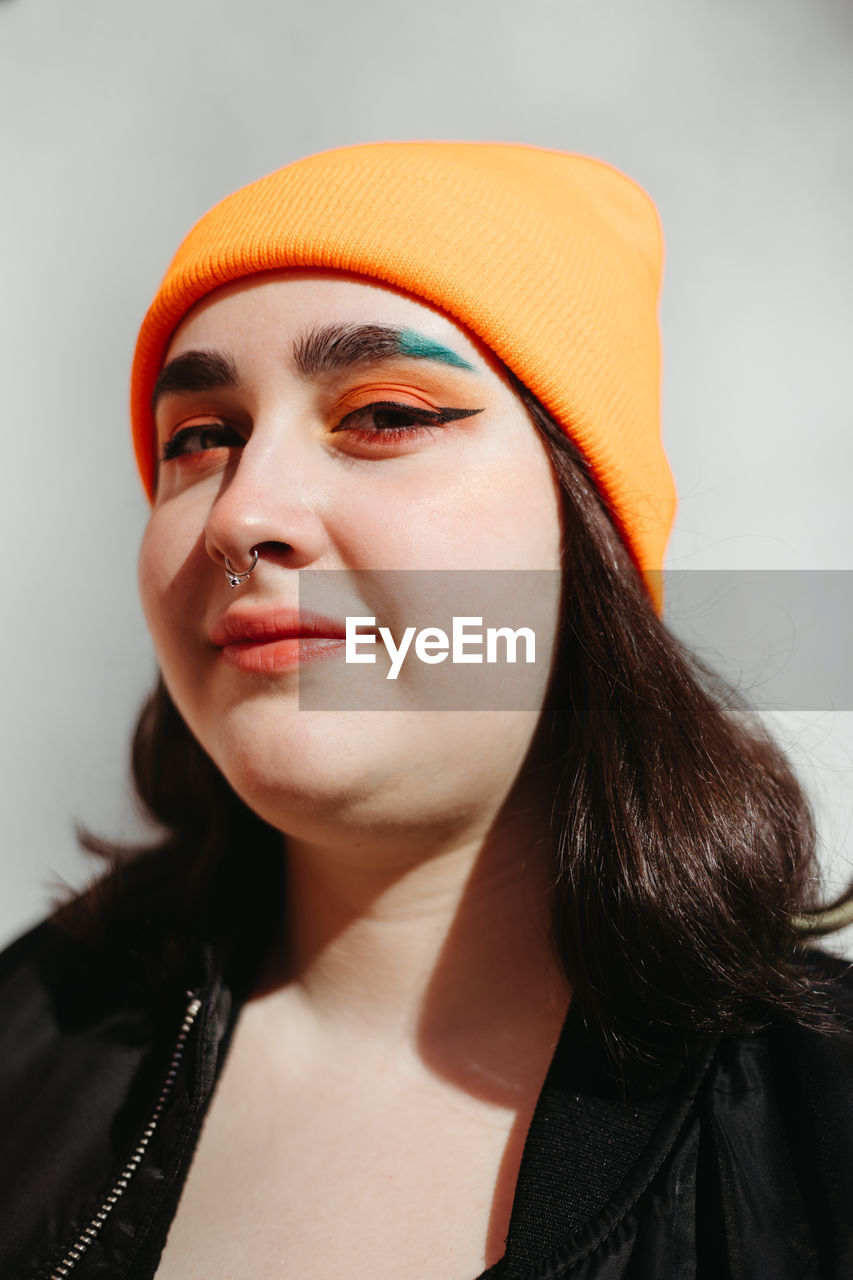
pixel 683 845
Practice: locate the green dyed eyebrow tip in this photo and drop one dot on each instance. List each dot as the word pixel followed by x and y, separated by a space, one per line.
pixel 414 344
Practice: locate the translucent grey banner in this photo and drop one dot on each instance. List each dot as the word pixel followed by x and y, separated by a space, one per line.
pixel 487 640
pixel 782 636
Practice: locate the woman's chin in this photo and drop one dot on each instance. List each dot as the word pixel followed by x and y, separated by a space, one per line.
pixel 360 770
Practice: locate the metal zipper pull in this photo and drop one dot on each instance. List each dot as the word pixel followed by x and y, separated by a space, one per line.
pixel 75 1253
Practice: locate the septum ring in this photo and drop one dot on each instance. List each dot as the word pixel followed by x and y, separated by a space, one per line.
pixel 236 577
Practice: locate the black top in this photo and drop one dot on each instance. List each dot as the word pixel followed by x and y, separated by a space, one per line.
pixel 738 1167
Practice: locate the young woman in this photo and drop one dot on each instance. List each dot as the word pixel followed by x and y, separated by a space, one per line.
pixel 406 990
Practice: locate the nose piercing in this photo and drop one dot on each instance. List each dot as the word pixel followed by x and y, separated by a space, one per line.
pixel 238 576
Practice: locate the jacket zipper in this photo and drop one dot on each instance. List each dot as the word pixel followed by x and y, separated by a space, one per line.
pixel 118 1189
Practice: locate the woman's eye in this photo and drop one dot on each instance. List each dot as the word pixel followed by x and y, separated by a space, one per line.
pixel 199 438
pixel 392 421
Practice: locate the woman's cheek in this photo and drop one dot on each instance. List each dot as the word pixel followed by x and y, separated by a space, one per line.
pixel 156 570
pixel 168 586
pixel 510 517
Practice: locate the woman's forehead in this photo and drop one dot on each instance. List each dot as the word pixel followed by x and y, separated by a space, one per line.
pixel 300 303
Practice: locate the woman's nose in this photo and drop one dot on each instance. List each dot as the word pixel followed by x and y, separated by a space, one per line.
pixel 270 500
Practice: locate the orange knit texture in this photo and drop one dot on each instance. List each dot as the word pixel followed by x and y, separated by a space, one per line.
pixel 553 260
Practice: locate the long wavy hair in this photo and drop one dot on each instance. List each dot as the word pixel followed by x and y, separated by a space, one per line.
pixel 683 848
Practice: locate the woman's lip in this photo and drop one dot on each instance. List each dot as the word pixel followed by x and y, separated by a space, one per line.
pixel 266 626
pixel 265 640
pixel 267 656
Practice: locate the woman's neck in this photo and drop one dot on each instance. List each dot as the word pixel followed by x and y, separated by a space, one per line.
pixel 444 959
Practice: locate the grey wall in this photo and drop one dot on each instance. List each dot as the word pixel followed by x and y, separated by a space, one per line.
pixel 123 123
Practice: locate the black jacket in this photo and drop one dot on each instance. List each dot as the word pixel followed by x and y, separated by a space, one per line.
pixel 741 1168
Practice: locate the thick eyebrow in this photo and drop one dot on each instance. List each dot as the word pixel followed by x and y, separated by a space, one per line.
pixel 195 371
pixel 340 346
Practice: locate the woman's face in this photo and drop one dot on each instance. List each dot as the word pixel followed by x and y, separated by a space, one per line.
pixel 336 424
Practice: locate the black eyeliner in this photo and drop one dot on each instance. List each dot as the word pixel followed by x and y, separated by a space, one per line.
pixel 452 415
pixel 424 416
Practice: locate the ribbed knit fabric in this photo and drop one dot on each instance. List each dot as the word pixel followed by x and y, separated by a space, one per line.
pixel 553 260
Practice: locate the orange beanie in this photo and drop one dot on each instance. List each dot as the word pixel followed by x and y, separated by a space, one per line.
pixel 552 260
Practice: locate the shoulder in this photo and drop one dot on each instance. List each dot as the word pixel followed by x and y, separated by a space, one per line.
pixel 109 967
pixel 27 949
pixel 115 940
pixel 774 1130
pixel 56 992
pixel 813 1057
pixel 797 1064
pixel 46 978
pixel 74 962
pixel 75 986
pixel 811 1070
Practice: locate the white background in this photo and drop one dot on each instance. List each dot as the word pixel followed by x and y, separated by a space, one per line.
pixel 123 123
